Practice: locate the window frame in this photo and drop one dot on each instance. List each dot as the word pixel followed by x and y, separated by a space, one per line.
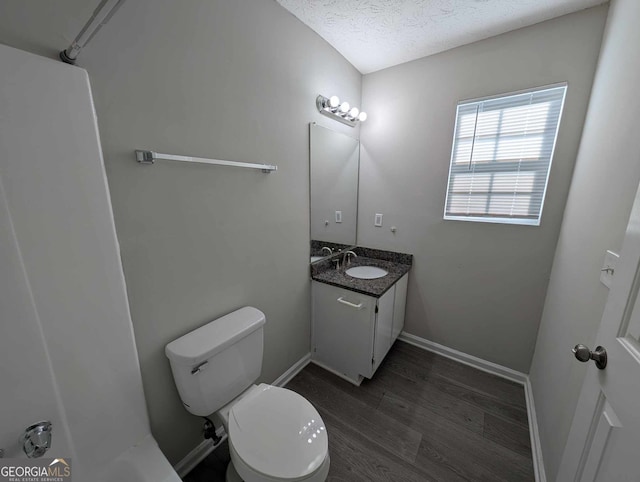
pixel 497 219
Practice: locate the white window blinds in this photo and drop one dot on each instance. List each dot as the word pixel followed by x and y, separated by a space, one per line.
pixel 501 156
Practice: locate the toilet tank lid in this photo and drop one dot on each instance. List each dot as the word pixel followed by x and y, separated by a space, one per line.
pixel 204 342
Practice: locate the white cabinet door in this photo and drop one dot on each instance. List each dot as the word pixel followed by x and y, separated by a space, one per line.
pixel 399 306
pixel 383 328
pixel 342 335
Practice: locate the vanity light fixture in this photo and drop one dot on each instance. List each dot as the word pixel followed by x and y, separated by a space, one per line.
pixel 342 112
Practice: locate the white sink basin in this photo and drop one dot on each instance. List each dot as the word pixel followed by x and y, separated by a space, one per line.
pixel 315 258
pixel 366 272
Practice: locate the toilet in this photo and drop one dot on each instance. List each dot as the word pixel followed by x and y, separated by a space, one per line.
pixel 274 434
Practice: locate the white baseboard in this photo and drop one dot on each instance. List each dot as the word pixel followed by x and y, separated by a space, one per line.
pixel 536 448
pixel 296 368
pixel 473 361
pixel 198 454
pixel 204 448
pixel 498 370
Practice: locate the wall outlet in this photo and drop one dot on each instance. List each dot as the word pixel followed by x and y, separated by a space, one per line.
pixel 377 221
pixel 608 268
pixel 338 216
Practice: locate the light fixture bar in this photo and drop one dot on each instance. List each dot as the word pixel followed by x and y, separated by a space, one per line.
pixel 332 108
pixel 149 157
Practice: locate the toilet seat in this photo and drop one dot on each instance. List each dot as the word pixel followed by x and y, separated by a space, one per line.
pixel 276 434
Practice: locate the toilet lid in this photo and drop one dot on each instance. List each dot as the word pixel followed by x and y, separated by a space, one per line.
pixel 278 433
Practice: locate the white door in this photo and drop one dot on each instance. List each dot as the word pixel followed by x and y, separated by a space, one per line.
pixel 604 442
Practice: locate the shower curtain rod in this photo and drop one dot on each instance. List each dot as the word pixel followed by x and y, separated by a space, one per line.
pixel 101 15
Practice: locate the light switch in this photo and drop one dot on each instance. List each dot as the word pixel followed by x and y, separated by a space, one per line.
pixel 338 216
pixel 609 268
pixel 377 220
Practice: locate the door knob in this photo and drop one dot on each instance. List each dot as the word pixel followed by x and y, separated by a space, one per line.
pixel 583 354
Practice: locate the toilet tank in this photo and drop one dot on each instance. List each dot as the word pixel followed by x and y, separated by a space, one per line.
pixel 216 362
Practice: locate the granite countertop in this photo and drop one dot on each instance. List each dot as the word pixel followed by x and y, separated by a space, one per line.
pixel 397 264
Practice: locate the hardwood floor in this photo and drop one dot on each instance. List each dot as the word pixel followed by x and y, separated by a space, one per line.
pixel 422 417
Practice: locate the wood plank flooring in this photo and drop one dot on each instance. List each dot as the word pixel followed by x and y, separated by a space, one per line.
pixel 422 417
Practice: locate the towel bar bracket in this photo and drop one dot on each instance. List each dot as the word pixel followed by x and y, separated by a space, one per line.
pixel 144 157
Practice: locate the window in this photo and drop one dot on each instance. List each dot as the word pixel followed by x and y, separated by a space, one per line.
pixel 501 156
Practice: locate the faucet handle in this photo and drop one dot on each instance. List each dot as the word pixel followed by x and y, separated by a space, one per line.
pixel 36 439
pixel 347 257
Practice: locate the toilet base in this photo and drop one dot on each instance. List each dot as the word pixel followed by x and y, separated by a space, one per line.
pixel 232 474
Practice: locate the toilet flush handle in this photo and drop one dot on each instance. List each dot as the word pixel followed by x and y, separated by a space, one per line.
pixel 199 368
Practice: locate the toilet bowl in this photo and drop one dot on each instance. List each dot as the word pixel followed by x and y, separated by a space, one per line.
pixel 274 433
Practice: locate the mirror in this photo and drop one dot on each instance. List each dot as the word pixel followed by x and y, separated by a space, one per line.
pixel 334 164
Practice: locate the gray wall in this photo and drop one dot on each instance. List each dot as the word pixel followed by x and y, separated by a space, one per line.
pixel 475 287
pixel 229 80
pixel 602 191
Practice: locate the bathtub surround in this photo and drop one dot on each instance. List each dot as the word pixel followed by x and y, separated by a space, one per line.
pixel 602 191
pixel 67 348
pixel 209 79
pixel 474 287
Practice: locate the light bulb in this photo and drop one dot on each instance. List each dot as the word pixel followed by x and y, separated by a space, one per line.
pixel 344 107
pixel 334 101
pixel 362 116
pixel 353 113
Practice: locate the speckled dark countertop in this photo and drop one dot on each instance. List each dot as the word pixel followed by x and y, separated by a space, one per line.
pixel 397 264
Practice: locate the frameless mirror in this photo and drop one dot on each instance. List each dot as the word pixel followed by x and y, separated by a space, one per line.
pixel 334 163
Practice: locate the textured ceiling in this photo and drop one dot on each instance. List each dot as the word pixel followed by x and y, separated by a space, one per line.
pixel 375 34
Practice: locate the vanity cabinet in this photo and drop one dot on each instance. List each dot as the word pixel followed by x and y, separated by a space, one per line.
pixel 352 332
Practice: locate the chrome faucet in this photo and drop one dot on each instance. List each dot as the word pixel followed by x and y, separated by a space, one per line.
pixel 346 257
pixel 327 248
pixel 36 439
